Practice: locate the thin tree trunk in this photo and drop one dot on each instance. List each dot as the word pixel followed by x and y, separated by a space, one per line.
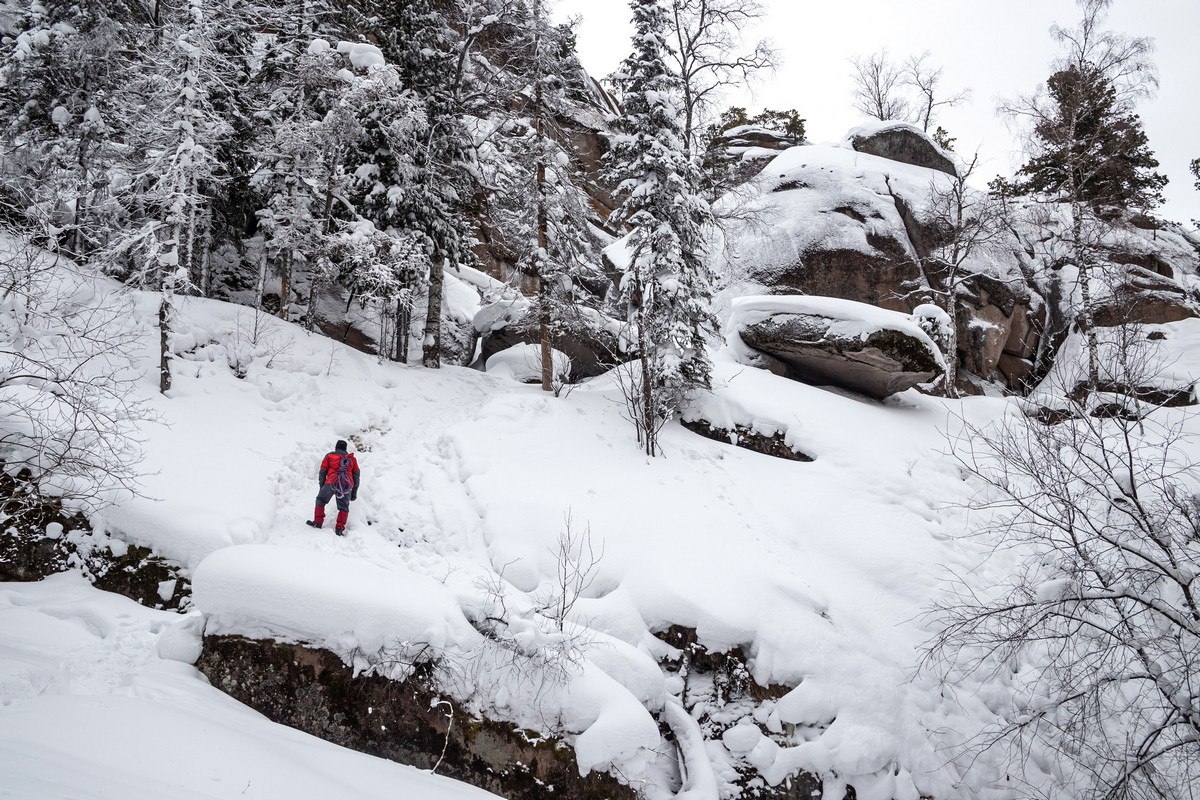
pixel 952 343
pixel 164 342
pixel 431 345
pixel 400 344
pixel 544 286
pixel 283 284
pixel 648 411
pixel 262 282
pixel 1086 321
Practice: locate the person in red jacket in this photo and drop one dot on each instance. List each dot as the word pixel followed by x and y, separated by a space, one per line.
pixel 338 478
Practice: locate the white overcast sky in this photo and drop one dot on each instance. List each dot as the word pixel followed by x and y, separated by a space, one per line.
pixel 996 48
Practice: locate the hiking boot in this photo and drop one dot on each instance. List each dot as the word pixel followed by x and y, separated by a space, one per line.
pixel 312 523
pixel 340 531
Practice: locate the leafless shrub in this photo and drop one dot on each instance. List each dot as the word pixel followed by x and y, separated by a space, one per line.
pixel 68 416
pixel 1097 632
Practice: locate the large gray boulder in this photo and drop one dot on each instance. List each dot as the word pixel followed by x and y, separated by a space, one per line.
pixel 826 341
pixel 899 141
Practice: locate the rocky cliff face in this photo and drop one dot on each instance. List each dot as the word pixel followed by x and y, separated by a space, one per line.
pixel 854 221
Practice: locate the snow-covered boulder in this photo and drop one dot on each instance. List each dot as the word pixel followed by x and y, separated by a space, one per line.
pixel 523 363
pixel 900 141
pixel 826 220
pixel 593 343
pixel 738 154
pixel 1144 297
pixel 827 341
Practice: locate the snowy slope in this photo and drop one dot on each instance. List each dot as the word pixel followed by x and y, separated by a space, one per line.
pixel 92 705
pixel 818 571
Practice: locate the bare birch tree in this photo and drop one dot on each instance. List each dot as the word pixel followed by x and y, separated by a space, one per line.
pixel 925 80
pixel 879 87
pixel 1097 632
pixel 1081 125
pixel 710 55
pixel 968 221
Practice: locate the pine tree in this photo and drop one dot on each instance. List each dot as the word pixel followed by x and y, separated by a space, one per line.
pixel 60 125
pixel 666 288
pixel 1089 148
pixel 427 194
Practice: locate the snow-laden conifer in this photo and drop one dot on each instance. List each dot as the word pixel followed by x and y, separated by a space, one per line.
pixel 666 288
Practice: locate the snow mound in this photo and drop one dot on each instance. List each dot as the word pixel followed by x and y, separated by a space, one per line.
pixel 523 363
pixel 336 602
pixel 362 55
pixel 88 708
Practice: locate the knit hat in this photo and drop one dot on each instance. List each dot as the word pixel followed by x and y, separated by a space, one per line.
pixel 340 446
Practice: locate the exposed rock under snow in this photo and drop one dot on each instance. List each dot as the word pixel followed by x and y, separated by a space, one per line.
pixel 829 341
pixel 900 141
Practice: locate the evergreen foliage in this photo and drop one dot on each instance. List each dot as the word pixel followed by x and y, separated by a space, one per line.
pixel 788 122
pixel 428 190
pixel 1090 148
pixel 666 288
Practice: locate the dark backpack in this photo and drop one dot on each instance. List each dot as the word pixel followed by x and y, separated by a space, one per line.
pixel 343 484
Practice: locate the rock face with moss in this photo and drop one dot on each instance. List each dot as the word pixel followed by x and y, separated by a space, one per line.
pixel 41 539
pixel 899 141
pixel 826 341
pixel 313 691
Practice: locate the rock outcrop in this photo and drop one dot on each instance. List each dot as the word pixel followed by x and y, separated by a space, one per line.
pixel 592 343
pixel 899 141
pixel 826 342
pixel 857 222
pixel 825 221
pixel 1143 297
pixel 41 540
pixel 747 438
pixel 313 691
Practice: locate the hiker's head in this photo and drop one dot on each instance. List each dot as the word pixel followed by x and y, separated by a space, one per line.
pixel 340 446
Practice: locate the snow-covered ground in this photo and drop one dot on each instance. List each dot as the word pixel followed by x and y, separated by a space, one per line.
pixel 819 571
pixel 97 702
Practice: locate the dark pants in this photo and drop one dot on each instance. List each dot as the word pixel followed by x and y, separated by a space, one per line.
pixel 343 504
pixel 327 492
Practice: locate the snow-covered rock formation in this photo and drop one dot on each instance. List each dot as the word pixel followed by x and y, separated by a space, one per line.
pixel 856 221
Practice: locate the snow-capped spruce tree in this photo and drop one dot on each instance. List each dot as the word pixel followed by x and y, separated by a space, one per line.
pixel 381 258
pixel 426 194
pixel 60 130
pixel 536 206
pixel 666 287
pixel 301 148
pixel 175 133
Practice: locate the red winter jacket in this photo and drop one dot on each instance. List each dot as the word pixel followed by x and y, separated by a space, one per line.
pixel 329 467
